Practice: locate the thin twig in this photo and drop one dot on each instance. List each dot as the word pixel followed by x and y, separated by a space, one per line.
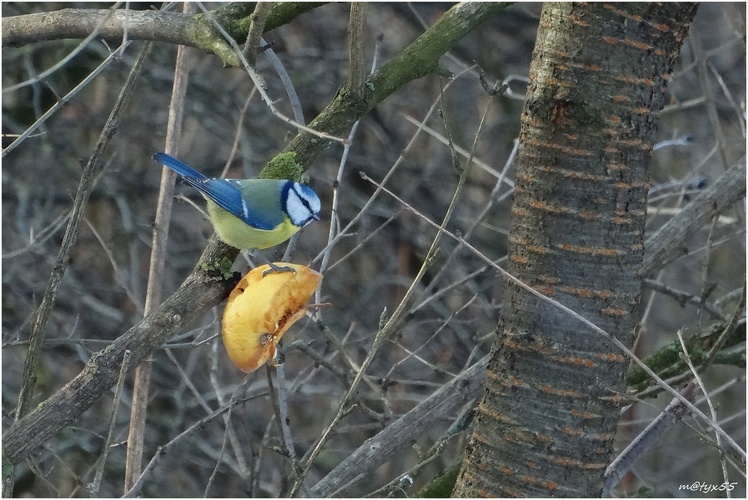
pixel 77 50
pixel 670 415
pixel 334 220
pixel 356 56
pixel 706 89
pixel 643 442
pixel 96 484
pixel 681 297
pixel 198 426
pixel 447 401
pixel 88 177
pixel 712 411
pixel 256 28
pixel 260 83
pixel 499 181
pixel 705 273
pixel 71 234
pixel 500 176
pixel 42 236
pixel 739 114
pixel 279 398
pixel 238 134
pixel 286 82
pixel 384 332
pixel 243 466
pixel 65 99
pixel 390 173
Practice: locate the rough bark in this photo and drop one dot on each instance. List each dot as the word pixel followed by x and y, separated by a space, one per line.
pixel 546 424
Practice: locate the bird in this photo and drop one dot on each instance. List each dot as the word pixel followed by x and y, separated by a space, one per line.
pixel 251 214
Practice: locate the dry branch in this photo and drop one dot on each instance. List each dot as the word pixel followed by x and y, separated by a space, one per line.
pixel 199 292
pixel 667 243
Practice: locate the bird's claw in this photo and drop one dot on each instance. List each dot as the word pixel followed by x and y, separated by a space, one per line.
pixel 278 269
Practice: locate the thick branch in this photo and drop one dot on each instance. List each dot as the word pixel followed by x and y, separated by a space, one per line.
pixel 417 60
pixel 668 360
pixel 193 298
pixel 441 405
pixel 666 244
pixel 79 23
pixel 158 26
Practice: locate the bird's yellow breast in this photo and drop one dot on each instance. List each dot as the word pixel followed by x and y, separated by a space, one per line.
pixel 235 232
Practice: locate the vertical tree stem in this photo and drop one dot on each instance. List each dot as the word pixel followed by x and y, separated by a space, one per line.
pixel 142 376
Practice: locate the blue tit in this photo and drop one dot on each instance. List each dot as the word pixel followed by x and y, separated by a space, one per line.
pixel 251 213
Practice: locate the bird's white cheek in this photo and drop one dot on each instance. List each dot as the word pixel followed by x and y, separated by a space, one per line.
pixel 296 210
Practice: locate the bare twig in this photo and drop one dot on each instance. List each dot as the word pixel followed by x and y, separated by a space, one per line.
pixel 386 329
pixel 706 89
pixel 77 50
pixel 710 404
pixel 96 484
pixel 260 82
pixel 256 29
pixel 445 402
pixel 683 298
pixel 643 442
pixel 356 55
pixel 293 97
pixel 334 219
pixel 237 398
pixel 65 99
pixel 279 397
pixel 135 439
pixel 40 237
pixel 672 413
pixel 390 173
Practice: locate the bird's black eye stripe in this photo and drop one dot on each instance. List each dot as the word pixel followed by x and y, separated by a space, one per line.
pixel 303 199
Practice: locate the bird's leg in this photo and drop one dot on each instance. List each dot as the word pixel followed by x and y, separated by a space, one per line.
pixel 273 268
pixel 278 269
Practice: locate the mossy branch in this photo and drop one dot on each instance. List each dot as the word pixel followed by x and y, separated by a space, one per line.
pixel 668 361
pixel 158 26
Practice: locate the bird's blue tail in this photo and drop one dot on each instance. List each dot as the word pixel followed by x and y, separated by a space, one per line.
pixel 178 167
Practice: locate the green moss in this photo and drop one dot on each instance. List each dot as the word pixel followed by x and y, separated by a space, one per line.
pixel 283 166
pixel 442 485
pixel 7 468
pixel 668 361
pixel 218 270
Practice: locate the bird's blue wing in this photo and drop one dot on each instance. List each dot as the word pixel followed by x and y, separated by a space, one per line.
pixel 255 201
pixel 258 205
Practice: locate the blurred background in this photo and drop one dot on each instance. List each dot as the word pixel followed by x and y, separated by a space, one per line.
pixel 451 319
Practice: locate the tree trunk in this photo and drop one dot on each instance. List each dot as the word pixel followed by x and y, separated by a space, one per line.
pixel 546 424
